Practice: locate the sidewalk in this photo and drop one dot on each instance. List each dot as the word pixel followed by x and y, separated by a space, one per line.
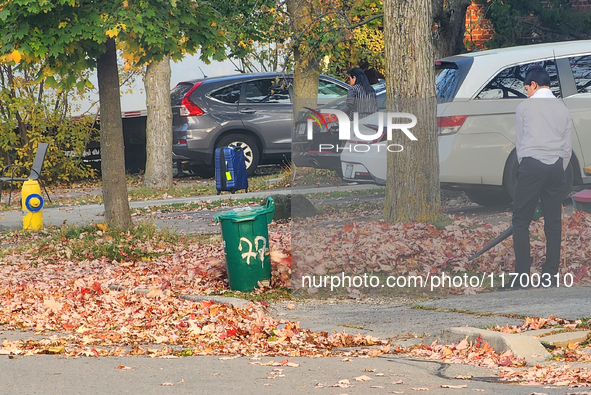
pixel 76 215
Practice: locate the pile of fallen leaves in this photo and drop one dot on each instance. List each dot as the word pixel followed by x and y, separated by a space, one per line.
pixel 106 322
pixel 345 244
pixel 533 323
pixel 478 353
pixel 573 352
pixel 565 375
pixel 48 288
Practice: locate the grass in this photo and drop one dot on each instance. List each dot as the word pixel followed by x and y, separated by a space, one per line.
pixel 268 295
pixel 197 206
pixel 340 210
pixel 442 221
pixel 143 242
pixel 308 176
pixel 136 191
pixel 345 194
pixel 480 314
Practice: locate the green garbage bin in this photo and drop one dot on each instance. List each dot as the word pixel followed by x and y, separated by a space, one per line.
pixel 246 244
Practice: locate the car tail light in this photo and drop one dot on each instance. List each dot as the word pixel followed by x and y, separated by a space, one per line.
pixel 383 136
pixel 188 108
pixel 183 142
pixel 330 118
pixel 322 120
pixel 450 125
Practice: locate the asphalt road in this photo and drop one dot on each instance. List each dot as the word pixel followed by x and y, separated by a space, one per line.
pixel 210 375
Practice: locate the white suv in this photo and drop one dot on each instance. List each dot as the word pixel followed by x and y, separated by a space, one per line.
pixel 478 94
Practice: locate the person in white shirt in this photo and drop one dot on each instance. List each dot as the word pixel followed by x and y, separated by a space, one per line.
pixel 544 146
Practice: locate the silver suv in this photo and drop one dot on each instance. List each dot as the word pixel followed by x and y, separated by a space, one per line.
pixel 253 111
pixel 479 93
pixel 477 96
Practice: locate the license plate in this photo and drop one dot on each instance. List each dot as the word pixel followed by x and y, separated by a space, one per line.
pixel 301 128
pixel 349 171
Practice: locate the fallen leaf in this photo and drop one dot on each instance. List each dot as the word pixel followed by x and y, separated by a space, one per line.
pixel 453 386
pixel 362 378
pixel 573 346
pixel 155 293
pixel 53 305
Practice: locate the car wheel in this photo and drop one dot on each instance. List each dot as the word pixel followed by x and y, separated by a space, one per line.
pixel 489 198
pixel 248 145
pixel 510 176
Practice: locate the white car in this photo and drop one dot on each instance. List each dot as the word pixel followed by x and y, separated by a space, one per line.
pixel 478 94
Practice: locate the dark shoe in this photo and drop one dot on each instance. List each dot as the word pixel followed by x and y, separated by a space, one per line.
pixel 553 282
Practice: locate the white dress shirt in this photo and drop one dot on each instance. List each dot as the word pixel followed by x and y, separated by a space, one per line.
pixel 543 129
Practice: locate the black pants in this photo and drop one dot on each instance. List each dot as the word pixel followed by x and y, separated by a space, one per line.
pixel 538 181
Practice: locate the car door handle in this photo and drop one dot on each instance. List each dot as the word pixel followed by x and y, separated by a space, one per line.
pixel 248 111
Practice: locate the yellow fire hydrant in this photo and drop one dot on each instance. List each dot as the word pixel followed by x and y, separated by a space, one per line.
pixel 32 205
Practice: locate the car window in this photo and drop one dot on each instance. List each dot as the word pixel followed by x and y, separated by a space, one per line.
pixel 330 90
pixel 508 84
pixel 229 94
pixel 446 82
pixel 177 93
pixel 267 91
pixel 581 66
pixel 381 100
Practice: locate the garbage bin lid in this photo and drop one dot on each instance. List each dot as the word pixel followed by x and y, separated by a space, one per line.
pixel 246 213
pixel 243 209
pixel 583 196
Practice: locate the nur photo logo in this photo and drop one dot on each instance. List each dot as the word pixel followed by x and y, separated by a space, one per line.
pixel 387 123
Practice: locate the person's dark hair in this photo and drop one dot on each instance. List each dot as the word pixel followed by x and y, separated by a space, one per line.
pixel 537 74
pixel 360 78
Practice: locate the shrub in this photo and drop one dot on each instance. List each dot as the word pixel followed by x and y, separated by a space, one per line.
pixel 32 111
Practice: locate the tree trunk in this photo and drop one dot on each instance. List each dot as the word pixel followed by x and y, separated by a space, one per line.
pixel 117 213
pixel 158 126
pixel 450 17
pixel 412 184
pixel 307 69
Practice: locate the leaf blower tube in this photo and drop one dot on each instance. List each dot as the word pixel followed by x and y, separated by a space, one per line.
pixel 538 213
pixel 508 232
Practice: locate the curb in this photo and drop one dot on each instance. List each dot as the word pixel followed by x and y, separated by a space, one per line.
pixel 522 346
pixel 236 302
